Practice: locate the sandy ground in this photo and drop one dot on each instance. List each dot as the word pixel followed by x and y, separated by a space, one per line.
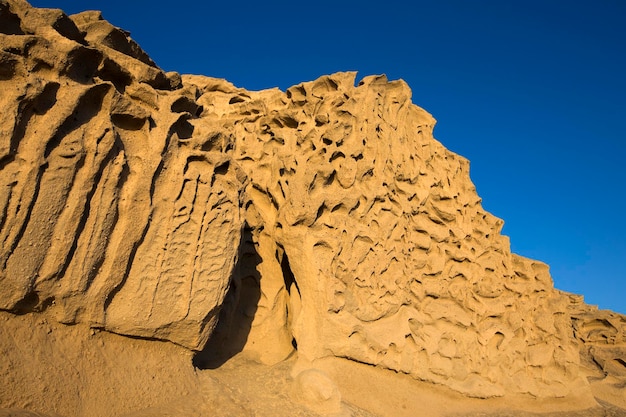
pixel 49 369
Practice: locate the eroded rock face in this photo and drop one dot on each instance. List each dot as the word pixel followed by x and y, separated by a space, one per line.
pixel 110 213
pixel 326 218
pixel 394 261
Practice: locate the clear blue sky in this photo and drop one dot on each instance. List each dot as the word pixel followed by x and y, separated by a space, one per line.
pixel 532 92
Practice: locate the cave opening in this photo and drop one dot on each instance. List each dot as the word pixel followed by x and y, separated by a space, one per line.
pixel 259 308
pixel 237 311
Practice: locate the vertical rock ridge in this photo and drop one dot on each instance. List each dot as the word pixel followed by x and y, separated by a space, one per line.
pixel 89 174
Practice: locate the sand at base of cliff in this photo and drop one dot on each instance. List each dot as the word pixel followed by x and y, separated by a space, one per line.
pixel 59 370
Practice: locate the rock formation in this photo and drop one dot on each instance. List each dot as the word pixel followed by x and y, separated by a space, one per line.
pixel 325 219
pixel 105 204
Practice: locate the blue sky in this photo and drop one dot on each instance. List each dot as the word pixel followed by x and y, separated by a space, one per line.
pixel 532 92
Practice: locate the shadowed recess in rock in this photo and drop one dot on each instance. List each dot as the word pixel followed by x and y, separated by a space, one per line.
pixel 237 312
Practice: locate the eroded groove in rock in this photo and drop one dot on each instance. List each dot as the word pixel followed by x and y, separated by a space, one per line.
pixel 325 219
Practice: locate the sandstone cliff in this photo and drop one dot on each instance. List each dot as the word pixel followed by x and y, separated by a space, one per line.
pixel 102 196
pixel 325 219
